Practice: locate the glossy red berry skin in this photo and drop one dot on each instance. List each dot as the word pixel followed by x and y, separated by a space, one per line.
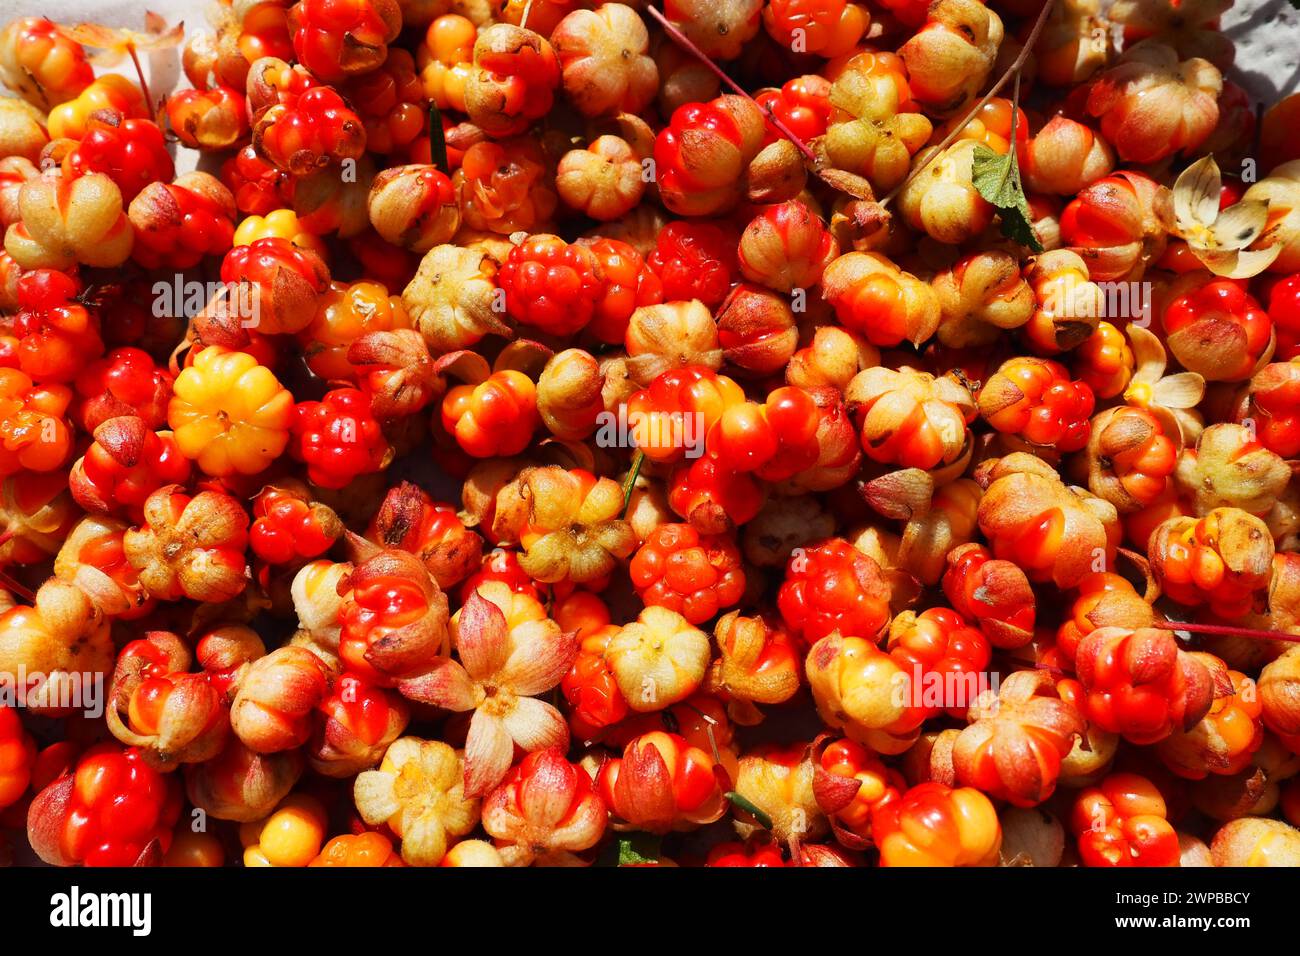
pixel 56 334
pixel 678 173
pixel 775 440
pixel 339 438
pixel 1121 822
pixel 126 381
pixel 211 119
pixel 833 587
pixel 131 152
pixel 1226 299
pixel 1274 406
pixel 977 585
pixel 1140 683
pixel 695 575
pixel 34 432
pixel 287 528
pixel 124 466
pixel 910 13
pixel 934 825
pixel 939 641
pixel 56 66
pixel 196 226
pixel 630 283
pixel 285 283
pixel 502 565
pixel 1108 223
pixel 590 687
pixel 371 612
pixel 390 101
pixel 712 497
pixel 738 855
pixel 695 260
pixel 802 104
pixel 115 807
pixel 336 39
pixel 692 390
pixel 496 417
pixel 1036 400
pixel 551 284
pixel 258 185
pixel 17 755
pixel 1284 309
pixel 317 129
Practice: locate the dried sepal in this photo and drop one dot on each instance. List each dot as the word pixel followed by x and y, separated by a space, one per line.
pixel 570 394
pixel 419 792
pixel 1228 468
pixel 1127 454
pixel 671 335
pixel 192 724
pixel 1022 491
pixel 981 296
pixel 403 648
pixel 756 329
pixel 1176 395
pixel 397 370
pixel 1221 239
pixel 241 785
pixel 857 690
pixel 317 599
pixel 757 660
pixel 947 524
pixel 658 659
pixel 272 708
pixel 545 812
pixel 1017 738
pixel 409 519
pixel 190 547
pixel 832 358
pixel 779 782
pixel 568 522
pixel 501 670
pixel 453 298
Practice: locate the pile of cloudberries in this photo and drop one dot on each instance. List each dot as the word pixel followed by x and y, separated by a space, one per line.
pixel 517 447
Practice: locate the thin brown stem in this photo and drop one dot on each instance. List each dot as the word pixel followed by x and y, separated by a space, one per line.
pixel 16 587
pixel 139 73
pixel 684 41
pixel 1229 630
pixel 1012 71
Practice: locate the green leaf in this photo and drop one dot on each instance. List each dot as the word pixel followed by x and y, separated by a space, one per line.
pixel 744 803
pixel 630 482
pixel 630 849
pixel 996 177
pixel 438 141
pixel 638 848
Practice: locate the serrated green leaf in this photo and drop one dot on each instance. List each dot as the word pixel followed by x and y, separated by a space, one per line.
pixel 996 177
pixel 1017 225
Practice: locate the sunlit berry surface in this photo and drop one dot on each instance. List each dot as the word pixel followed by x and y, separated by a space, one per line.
pixel 719 433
